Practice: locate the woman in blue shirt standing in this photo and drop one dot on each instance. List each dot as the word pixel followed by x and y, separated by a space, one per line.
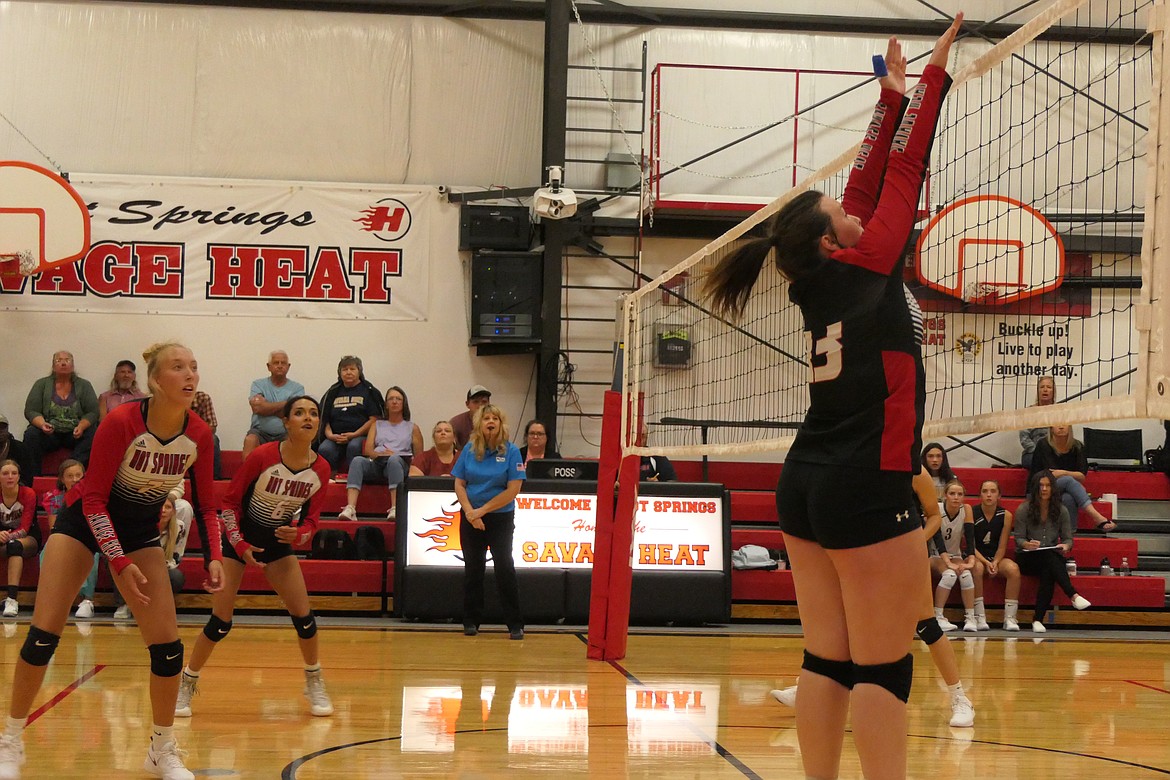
pixel 488 476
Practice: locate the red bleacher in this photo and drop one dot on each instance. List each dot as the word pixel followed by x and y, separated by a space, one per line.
pixel 753 517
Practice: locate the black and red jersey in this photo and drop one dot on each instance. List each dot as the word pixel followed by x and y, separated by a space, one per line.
pixel 267 493
pixel 131 471
pixel 867 386
pixel 17 517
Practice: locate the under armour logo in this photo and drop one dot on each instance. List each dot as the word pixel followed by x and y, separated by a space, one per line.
pixel 902 516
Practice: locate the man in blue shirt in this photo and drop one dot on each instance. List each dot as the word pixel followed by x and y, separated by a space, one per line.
pixel 267 398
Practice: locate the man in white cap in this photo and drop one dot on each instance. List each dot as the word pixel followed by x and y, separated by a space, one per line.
pixel 477 398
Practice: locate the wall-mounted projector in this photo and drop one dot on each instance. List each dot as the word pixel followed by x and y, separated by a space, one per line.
pixel 554 201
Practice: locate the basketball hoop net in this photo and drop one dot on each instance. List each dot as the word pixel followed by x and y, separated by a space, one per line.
pixel 988 293
pixel 980 292
pixel 21 263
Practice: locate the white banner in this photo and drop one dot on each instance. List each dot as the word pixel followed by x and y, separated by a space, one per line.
pixel 557 530
pixel 243 248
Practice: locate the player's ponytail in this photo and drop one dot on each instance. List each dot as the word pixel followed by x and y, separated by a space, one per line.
pixel 796 234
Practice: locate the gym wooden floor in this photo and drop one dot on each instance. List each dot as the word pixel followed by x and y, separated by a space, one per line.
pixel 413 702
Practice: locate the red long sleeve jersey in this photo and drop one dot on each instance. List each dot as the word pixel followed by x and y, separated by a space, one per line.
pixel 267 493
pixel 867 387
pixel 17 517
pixel 131 471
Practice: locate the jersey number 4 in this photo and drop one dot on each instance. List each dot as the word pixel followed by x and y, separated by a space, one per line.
pixel 829 346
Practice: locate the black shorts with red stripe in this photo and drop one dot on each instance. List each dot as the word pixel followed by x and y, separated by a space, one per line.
pixel 131 535
pixel 844 508
pixel 259 537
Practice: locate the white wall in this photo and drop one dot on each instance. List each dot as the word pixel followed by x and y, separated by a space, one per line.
pixel 222 92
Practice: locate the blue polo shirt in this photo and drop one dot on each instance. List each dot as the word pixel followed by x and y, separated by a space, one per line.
pixel 487 478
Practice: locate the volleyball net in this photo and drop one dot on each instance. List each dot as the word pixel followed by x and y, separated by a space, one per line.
pixel 1034 255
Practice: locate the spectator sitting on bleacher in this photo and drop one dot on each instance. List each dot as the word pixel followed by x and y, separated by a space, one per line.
pixel 348 411
pixel 69 473
pixel 993 527
pixel 439 459
pixel 536 443
pixel 267 398
pixel 205 409
pixel 1030 437
pixel 62 412
pixel 934 459
pixel 953 558
pixel 123 388
pixel 19 531
pixel 478 397
pixel 1064 456
pixel 12 448
pixel 1043 533
pixel 389 446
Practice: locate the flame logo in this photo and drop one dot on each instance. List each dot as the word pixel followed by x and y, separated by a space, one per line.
pixel 389 219
pixel 444 536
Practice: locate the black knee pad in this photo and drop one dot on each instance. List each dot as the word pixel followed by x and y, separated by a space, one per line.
pixel 895 677
pixel 14 549
pixel 216 629
pixel 305 625
pixel 39 647
pixel 928 631
pixel 166 660
pixel 840 672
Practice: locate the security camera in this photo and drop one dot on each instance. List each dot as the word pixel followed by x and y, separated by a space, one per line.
pixel 554 201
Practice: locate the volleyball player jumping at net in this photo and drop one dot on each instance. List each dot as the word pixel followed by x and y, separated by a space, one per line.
pixel 928 629
pixel 277 480
pixel 141 452
pixel 856 554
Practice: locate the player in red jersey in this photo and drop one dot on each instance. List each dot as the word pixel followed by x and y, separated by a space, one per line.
pixel 20 536
pixel 278 482
pixel 854 568
pixel 140 453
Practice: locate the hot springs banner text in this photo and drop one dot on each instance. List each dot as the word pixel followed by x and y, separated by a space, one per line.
pixel 249 248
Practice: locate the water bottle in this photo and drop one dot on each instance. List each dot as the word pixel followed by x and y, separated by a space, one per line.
pixel 1125 567
pixel 1106 569
pixel 1071 565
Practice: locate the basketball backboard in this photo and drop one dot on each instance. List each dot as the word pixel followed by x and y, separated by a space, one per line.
pixel 43 221
pixel 990 249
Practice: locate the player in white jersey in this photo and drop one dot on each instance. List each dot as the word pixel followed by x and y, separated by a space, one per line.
pixel 954 558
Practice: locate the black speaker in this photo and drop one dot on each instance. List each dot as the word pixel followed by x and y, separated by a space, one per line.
pixel 494 227
pixel 505 296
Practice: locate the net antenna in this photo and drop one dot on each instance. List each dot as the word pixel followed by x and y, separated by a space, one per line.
pixel 43 220
pixel 1034 256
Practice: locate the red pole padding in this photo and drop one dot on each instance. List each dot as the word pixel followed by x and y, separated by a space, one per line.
pixel 607 475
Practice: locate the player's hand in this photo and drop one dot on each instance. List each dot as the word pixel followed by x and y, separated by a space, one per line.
pixel 4 537
pixel 286 534
pixel 942 47
pixel 250 557
pixel 130 584
pixel 992 569
pixel 214 581
pixel 895 77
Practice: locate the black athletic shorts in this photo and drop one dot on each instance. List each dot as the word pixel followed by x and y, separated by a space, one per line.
pixel 258 536
pixel 132 536
pixel 841 509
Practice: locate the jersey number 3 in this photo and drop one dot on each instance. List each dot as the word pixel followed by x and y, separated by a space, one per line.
pixel 828 345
